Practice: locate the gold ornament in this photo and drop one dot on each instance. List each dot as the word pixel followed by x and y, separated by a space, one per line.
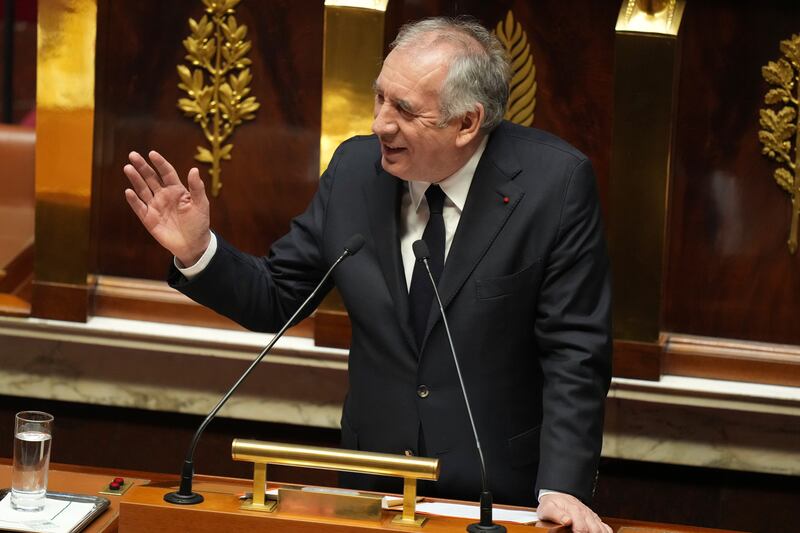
pixel 216 47
pixel 522 96
pixel 781 133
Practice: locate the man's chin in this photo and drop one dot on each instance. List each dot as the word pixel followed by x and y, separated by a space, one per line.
pixel 394 168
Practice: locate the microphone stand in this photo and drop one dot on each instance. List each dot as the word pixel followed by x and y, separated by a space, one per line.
pixel 184 495
pixel 486 524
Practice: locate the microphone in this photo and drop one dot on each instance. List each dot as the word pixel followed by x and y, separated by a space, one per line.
pixel 184 495
pixel 486 525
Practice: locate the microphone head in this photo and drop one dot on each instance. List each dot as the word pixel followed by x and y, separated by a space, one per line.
pixel 354 244
pixel 421 250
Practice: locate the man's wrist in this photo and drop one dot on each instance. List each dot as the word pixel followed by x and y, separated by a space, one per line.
pixel 198 266
pixel 545 492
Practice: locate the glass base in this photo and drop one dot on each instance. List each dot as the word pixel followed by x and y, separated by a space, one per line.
pixel 27 501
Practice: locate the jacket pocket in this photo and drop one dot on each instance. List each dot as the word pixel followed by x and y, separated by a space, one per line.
pixel 524 448
pixel 500 286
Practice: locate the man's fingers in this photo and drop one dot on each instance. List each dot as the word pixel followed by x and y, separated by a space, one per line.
pixel 136 203
pixel 588 523
pixel 196 186
pixel 145 171
pixel 138 183
pixel 164 168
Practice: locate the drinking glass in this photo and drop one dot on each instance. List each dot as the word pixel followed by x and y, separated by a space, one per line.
pixel 33 431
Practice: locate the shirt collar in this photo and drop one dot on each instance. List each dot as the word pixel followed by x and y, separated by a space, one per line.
pixel 455 186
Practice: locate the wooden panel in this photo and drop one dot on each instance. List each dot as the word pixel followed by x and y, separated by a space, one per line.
pixel 641 360
pixel 273 173
pixel 729 273
pixel 143 510
pixel 60 301
pixel 136 439
pixel 733 360
pixel 155 301
pixel 699 496
pixel 23 97
pixel 332 328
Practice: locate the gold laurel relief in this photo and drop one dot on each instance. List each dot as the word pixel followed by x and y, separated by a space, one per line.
pixel 522 96
pixel 781 122
pixel 217 82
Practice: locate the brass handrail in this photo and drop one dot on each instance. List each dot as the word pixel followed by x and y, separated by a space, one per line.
pixel 261 453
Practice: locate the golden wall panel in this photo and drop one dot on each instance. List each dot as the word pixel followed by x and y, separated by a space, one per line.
pixel 64 138
pixel 646 61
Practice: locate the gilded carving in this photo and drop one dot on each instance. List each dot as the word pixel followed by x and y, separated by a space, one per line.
pixel 781 122
pixel 216 48
pixel 522 96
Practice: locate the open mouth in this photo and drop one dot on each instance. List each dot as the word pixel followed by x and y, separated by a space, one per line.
pixel 388 149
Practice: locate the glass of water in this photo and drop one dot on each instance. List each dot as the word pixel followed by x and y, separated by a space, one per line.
pixel 33 431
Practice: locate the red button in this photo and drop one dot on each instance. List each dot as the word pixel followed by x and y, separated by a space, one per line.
pixel 119 480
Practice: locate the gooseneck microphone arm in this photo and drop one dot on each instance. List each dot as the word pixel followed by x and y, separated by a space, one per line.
pixel 185 495
pixel 486 523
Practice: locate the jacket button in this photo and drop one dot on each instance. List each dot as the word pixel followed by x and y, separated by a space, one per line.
pixel 409 453
pixel 423 391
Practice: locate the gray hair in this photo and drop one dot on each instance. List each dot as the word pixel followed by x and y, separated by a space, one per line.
pixel 479 71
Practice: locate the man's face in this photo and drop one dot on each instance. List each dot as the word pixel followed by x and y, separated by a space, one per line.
pixel 413 146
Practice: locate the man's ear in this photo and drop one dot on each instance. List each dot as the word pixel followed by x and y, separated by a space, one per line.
pixel 470 126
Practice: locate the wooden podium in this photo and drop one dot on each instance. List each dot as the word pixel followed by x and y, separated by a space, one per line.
pixel 143 510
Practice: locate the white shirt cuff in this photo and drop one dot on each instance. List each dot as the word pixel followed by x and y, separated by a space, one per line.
pixel 542 492
pixel 202 263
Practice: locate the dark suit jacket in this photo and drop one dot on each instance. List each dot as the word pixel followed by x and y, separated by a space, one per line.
pixel 526 290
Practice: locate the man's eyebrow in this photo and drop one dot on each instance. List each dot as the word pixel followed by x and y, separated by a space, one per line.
pixel 404 105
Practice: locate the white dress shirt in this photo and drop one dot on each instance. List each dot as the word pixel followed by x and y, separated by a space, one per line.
pixel 414 212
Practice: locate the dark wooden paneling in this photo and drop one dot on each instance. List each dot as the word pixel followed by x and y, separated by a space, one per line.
pixel 332 328
pixel 60 301
pixel 706 497
pixel 274 169
pixel 23 98
pixel 134 439
pixel 155 301
pixel 729 272
pixel 639 360
pixel 737 361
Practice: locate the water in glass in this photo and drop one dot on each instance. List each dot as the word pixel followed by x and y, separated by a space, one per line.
pixel 31 462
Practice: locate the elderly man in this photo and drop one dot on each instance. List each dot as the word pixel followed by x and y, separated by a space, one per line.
pixel 512 220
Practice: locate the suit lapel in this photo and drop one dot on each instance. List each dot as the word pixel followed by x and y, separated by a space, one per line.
pixel 382 198
pixel 484 215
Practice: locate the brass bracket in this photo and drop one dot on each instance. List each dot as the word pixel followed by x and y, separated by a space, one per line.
pixel 259 501
pixel 409 515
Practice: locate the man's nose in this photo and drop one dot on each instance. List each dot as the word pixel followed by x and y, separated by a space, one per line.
pixel 384 122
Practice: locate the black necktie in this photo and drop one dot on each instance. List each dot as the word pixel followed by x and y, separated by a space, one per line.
pixel 420 295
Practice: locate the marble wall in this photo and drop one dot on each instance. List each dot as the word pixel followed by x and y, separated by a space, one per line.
pixel 180 369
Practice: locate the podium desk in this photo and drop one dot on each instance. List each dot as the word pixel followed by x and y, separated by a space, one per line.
pixel 142 509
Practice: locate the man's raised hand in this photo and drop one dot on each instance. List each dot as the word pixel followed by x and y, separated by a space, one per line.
pixel 177 217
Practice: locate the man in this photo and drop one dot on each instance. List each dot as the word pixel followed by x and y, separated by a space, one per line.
pixel 516 243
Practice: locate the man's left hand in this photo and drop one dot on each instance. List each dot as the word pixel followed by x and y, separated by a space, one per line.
pixel 570 511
